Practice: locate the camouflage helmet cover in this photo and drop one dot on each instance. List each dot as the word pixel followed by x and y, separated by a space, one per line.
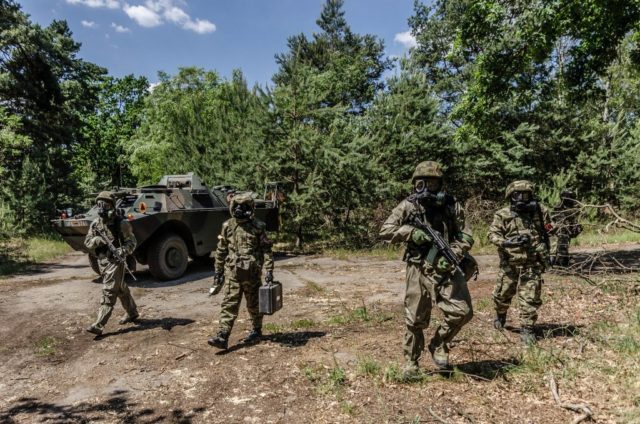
pixel 427 169
pixel 519 185
pixel 106 196
pixel 241 199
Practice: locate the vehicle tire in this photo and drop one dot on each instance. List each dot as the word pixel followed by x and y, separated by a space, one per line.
pixel 93 261
pixel 168 257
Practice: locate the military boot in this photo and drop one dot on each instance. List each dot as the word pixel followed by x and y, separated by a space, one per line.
pixel 94 330
pixel 527 336
pixel 221 340
pixel 439 354
pixel 410 371
pixel 127 319
pixel 254 336
pixel 499 322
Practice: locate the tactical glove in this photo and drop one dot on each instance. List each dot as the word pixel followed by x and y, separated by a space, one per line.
pixel 268 278
pixel 218 278
pixel 218 282
pixel 419 237
pixel 443 266
pixel 517 241
pixel 122 252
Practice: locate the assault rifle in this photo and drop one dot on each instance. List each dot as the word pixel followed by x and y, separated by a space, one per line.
pixel 441 245
pixel 114 251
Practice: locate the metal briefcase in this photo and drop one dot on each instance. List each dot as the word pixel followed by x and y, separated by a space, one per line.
pixel 270 298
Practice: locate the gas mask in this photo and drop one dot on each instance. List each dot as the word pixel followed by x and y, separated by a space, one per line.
pixel 523 201
pixel 242 211
pixel 428 191
pixel 105 210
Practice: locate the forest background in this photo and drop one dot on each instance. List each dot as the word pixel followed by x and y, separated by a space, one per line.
pixel 494 90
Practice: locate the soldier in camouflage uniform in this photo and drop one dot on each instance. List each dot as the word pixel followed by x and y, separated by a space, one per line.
pixel 243 249
pixel 118 231
pixel 430 279
pixel 565 219
pixel 520 231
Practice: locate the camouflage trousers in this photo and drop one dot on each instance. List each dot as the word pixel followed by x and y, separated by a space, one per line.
pixel 233 291
pixel 560 249
pixel 526 281
pixel 452 298
pixel 113 288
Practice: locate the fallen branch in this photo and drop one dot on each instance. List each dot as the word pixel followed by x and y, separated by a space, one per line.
pixel 582 408
pixel 436 417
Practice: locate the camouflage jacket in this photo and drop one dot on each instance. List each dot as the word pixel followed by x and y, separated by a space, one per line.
pixel 243 248
pixel 448 220
pixel 119 233
pixel 508 224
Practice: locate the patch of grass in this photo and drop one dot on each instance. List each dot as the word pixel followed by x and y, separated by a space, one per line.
pixel 628 344
pixel 302 323
pixel 46 346
pixel 483 304
pixel 273 328
pixel 368 367
pixel 311 373
pixel 591 237
pixel 17 254
pixel 392 374
pixel 347 408
pixel 313 287
pixel 384 252
pixel 41 249
pixel 337 376
pixel 360 314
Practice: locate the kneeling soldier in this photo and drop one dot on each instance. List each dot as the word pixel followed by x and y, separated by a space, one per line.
pixel 243 249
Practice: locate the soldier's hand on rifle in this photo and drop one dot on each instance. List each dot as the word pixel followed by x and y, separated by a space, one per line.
pixel 268 278
pixel 121 252
pixel 443 266
pixel 98 241
pixel 419 237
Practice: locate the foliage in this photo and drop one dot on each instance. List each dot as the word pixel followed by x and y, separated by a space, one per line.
pixel 197 122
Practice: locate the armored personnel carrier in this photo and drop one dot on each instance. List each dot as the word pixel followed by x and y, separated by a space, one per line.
pixel 173 220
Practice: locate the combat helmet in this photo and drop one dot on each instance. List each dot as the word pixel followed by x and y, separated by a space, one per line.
pixel 427 169
pixel 106 196
pixel 241 206
pixel 519 185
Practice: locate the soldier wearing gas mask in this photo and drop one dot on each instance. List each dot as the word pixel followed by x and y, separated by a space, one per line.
pixel 521 233
pixel 243 249
pixel 109 227
pixel 429 277
pixel 565 217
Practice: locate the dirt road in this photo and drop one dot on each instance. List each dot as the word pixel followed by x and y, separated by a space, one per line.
pixel 331 354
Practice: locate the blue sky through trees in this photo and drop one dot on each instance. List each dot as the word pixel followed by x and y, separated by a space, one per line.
pixel 146 36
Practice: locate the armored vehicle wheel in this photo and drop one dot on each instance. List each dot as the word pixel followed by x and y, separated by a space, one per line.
pixel 168 257
pixel 93 261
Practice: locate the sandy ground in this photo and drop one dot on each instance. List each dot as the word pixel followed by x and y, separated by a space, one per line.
pixel 162 370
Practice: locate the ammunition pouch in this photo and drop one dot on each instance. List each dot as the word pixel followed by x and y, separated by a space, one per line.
pixel 469 266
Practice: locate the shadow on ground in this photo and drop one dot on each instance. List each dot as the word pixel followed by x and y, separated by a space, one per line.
pixel 599 262
pixel 116 406
pixel 294 339
pixel 148 324
pixel 488 370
